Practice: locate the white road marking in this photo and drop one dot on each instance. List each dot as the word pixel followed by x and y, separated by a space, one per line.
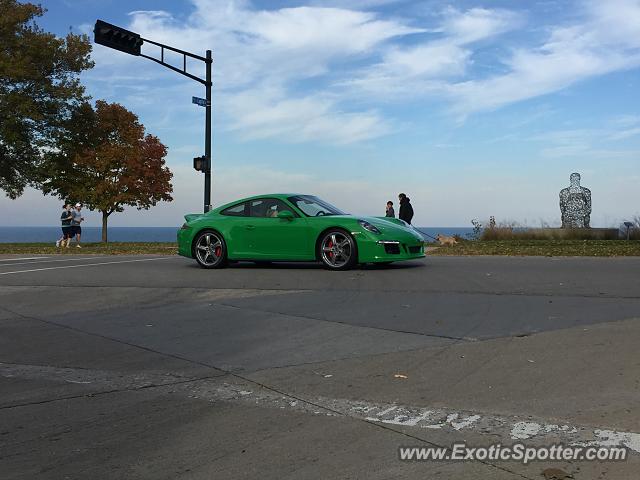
pixel 524 430
pixel 495 427
pixel 50 261
pixel 17 259
pixel 85 265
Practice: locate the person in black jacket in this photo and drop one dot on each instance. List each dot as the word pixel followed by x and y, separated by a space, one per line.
pixel 406 210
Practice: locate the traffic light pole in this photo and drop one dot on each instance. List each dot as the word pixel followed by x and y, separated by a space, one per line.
pixel 208 60
pixel 207 137
pixel 129 42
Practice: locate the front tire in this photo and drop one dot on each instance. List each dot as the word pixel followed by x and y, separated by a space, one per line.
pixel 210 250
pixel 337 250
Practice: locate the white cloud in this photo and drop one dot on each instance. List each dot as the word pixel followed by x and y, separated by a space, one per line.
pixel 277 45
pixel 308 54
pixel 430 60
pixel 607 40
pixel 308 51
pixel 426 67
pixel 353 4
pixel 261 51
pixel 335 31
pixel 583 144
pixel 623 134
pixel 626 126
pixel 479 23
pixel 270 113
pixel 626 120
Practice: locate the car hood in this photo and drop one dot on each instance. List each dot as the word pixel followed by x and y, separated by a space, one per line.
pixel 390 226
pixel 386 223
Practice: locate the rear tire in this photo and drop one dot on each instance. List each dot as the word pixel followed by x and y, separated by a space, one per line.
pixel 210 250
pixel 337 250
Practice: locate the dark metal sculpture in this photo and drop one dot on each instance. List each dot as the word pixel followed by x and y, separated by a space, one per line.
pixel 575 204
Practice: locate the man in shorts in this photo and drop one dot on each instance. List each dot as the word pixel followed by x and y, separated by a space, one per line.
pixel 65 218
pixel 76 229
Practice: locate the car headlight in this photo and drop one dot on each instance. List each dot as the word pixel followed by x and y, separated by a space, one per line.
pixel 369 227
pixel 185 227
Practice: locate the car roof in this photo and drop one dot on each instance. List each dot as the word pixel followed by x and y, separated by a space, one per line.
pixel 264 195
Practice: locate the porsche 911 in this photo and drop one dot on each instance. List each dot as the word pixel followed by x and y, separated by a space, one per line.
pixel 295 227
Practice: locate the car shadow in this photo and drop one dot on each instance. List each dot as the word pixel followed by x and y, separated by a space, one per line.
pixel 409 264
pixel 317 266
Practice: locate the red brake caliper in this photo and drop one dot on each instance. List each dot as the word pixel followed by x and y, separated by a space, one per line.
pixel 218 251
pixel 330 245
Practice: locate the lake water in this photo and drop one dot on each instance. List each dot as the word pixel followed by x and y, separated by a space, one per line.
pixel 143 234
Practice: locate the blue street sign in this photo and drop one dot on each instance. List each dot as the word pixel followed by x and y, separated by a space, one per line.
pixel 199 101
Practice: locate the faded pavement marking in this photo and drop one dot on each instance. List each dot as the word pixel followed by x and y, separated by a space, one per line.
pixel 506 428
pixel 85 265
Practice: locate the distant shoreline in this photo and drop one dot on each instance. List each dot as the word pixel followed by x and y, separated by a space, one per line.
pixel 49 234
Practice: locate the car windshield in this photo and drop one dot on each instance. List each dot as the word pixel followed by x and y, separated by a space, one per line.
pixel 314 207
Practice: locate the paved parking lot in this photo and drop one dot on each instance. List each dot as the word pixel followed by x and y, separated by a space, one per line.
pixel 150 367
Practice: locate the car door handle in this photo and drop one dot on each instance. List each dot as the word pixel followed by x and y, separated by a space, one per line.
pixel 250 227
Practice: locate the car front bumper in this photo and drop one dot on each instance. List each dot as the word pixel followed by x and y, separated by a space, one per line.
pixel 407 247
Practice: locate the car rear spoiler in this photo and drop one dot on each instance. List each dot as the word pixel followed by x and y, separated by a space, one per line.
pixel 189 217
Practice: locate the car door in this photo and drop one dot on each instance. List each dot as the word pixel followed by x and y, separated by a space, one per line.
pixel 274 238
pixel 238 234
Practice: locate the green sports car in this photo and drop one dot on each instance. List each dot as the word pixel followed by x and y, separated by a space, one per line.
pixel 293 227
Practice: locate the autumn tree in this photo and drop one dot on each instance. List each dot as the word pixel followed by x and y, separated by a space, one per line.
pixel 39 88
pixel 106 161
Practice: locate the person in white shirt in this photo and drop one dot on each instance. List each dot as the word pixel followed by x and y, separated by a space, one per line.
pixel 76 229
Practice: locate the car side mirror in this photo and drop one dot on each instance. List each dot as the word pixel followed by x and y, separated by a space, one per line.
pixel 286 214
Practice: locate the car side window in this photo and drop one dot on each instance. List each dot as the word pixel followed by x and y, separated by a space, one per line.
pixel 239 210
pixel 268 208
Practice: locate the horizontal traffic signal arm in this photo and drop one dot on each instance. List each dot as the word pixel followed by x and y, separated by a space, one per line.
pixel 129 42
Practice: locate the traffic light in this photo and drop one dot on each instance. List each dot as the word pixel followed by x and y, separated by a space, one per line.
pixel 116 37
pixel 201 164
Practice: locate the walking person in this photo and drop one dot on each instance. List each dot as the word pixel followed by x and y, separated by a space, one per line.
pixel 390 211
pixel 65 218
pixel 76 229
pixel 406 210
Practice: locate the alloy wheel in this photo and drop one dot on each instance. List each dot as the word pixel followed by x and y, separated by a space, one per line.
pixel 210 250
pixel 337 250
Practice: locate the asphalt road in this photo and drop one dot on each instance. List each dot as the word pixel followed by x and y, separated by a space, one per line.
pixel 150 367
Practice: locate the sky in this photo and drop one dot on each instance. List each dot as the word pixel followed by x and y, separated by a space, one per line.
pixel 471 108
